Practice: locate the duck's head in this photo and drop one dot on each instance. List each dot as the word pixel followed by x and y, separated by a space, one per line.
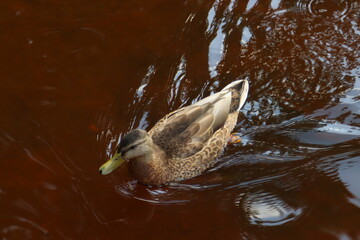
pixel 135 143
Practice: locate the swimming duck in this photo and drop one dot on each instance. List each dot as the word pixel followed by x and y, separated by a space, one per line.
pixel 185 142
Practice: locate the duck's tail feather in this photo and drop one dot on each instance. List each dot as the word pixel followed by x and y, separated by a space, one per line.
pixel 239 90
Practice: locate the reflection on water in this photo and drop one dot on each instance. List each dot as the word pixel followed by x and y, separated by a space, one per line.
pixel 336 10
pixel 348 174
pixel 267 210
pixel 75 77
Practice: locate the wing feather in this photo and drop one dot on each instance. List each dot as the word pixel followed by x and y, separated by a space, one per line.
pixel 184 132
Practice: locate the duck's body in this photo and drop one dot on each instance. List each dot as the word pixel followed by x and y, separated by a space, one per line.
pixel 185 142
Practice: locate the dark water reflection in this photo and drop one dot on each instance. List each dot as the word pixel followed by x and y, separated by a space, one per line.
pixel 75 76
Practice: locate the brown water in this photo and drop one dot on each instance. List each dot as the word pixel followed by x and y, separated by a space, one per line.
pixel 76 75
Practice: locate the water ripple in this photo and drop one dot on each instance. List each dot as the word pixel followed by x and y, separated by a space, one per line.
pixel 337 10
pixel 266 209
pixel 22 228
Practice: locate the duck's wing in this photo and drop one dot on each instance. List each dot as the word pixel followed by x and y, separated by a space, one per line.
pixel 183 133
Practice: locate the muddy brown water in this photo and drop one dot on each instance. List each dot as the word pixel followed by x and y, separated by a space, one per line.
pixel 76 75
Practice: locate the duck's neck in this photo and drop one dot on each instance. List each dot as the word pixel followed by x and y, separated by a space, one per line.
pixel 150 167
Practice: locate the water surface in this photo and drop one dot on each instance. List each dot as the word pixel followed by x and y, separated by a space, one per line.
pixel 75 76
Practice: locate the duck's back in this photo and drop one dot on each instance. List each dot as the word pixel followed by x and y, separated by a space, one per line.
pixel 185 131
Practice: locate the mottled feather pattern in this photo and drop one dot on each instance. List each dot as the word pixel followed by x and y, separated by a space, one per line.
pixel 179 168
pixel 187 141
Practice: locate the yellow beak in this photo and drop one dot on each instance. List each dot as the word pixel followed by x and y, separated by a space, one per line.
pixel 112 164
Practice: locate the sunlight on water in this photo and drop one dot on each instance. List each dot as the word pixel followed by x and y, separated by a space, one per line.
pixel 216 51
pixel 337 9
pixel 267 210
pixel 246 35
pixel 275 4
pixel 251 4
pixel 178 79
pixel 349 174
pixel 337 128
pixel 352 96
pixel 210 17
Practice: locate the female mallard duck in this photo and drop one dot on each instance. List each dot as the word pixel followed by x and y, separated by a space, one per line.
pixel 185 142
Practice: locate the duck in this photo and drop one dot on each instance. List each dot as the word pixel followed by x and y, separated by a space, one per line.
pixel 184 143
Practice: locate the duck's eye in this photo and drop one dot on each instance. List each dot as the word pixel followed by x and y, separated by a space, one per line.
pixel 132 147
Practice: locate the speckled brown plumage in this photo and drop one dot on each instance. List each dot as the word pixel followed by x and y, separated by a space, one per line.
pixel 187 141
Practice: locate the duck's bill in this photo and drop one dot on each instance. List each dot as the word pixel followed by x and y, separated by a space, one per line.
pixel 112 164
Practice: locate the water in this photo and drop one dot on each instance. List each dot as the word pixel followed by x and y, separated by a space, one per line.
pixel 76 76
